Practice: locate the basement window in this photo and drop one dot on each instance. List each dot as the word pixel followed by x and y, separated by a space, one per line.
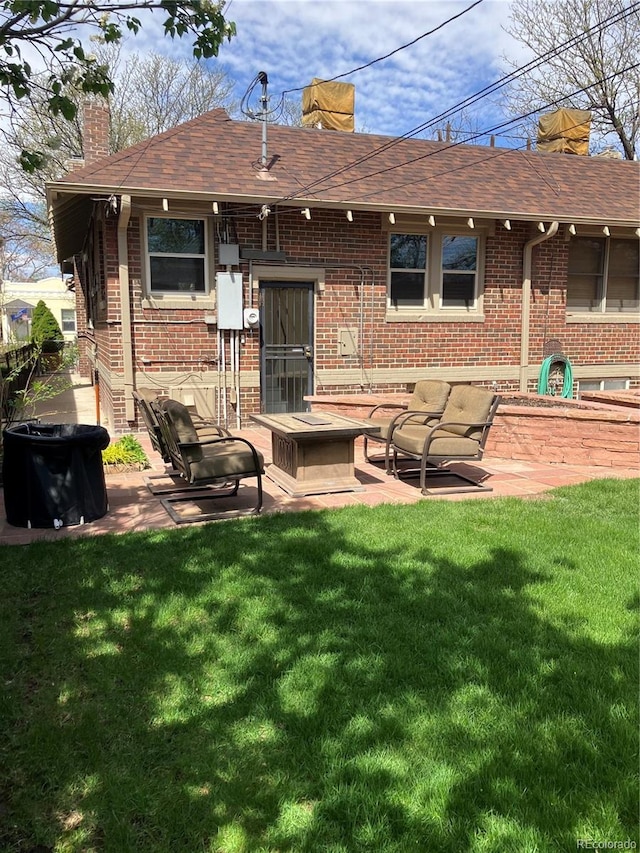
pixel 176 256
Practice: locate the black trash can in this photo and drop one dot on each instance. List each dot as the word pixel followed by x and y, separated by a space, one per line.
pixel 53 474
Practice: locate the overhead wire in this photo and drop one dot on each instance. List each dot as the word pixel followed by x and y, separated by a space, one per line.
pixel 387 55
pixel 470 100
pixel 490 89
pixel 537 62
pixel 281 103
pixel 479 134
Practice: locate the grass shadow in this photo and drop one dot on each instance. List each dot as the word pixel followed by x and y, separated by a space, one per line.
pixel 309 682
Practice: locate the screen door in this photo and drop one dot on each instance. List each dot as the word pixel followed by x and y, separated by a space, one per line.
pixel 286 345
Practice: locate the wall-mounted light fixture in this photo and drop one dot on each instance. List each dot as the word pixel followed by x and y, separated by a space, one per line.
pixel 572 229
pixel 507 224
pixel 392 218
pixel 349 216
pixel 541 227
pixel 306 212
pixel 432 221
pixel 165 204
pixel 215 207
pixel 470 222
pixel 606 231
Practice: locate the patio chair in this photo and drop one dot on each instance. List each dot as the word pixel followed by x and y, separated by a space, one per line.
pixel 427 403
pixel 460 434
pixel 148 401
pixel 215 464
pixel 143 399
pixel 146 398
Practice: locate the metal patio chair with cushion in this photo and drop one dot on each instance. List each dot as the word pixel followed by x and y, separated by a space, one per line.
pixel 427 403
pixel 148 402
pixel 146 398
pixel 143 398
pixel 213 464
pixel 460 434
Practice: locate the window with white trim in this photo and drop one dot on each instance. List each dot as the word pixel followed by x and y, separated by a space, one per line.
pixel 603 385
pixel 68 319
pixel 176 255
pixel 603 275
pixel 459 286
pixel 408 269
pixel 439 272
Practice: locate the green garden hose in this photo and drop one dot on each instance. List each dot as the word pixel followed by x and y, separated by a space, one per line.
pixel 543 379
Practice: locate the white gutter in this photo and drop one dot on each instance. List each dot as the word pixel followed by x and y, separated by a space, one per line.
pixel 526 302
pixel 125 306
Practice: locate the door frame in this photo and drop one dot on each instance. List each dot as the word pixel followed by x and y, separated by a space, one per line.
pixel 265 273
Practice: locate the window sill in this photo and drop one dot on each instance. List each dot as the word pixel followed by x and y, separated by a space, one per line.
pixel 168 301
pixel 588 317
pixel 424 317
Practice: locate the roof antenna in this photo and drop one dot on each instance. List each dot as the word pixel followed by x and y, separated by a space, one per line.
pixel 264 100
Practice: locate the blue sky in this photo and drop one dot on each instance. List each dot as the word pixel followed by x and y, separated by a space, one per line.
pixel 296 40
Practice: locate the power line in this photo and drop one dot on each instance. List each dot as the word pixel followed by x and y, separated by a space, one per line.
pixel 285 92
pixel 490 89
pixel 477 135
pixel 393 52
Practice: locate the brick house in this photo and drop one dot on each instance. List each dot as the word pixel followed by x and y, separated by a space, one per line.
pixel 242 271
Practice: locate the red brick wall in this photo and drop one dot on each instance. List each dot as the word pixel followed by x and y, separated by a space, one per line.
pixel 354 256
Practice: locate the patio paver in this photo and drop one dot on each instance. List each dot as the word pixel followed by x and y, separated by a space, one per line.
pixel 132 507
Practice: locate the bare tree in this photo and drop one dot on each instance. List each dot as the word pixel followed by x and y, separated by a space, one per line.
pixel 151 94
pixel 593 63
pixel 50 29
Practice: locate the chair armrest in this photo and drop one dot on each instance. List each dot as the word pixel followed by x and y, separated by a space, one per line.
pixel 401 419
pixel 385 406
pixel 205 423
pixel 222 439
pixel 405 416
pixel 441 426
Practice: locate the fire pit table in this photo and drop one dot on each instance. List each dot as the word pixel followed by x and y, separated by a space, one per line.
pixel 313 454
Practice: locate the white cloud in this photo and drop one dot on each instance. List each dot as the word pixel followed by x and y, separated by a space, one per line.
pixel 296 40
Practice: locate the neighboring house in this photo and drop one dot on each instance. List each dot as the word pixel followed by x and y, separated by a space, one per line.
pixel 19 298
pixel 244 273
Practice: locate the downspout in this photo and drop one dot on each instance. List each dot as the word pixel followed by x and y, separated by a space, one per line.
pixel 125 305
pixel 526 302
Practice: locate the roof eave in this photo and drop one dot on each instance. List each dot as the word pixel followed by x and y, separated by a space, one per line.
pixel 63 193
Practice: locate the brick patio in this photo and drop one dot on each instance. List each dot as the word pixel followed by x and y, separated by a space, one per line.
pixel 132 507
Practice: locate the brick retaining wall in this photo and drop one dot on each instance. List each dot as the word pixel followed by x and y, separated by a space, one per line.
pixel 576 433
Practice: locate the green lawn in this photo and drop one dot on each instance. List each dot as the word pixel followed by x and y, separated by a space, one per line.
pixel 446 677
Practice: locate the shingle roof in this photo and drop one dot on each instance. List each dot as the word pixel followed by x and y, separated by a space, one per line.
pixel 214 156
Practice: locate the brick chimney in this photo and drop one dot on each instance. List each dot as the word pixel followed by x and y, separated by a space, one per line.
pixel 96 122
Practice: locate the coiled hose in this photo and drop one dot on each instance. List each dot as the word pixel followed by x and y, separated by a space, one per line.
pixel 543 379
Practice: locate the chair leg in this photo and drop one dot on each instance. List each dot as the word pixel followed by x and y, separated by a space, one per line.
pixel 430 472
pixel 180 486
pixel 373 460
pixel 206 495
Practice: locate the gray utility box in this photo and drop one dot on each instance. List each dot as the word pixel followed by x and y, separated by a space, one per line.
pixel 229 297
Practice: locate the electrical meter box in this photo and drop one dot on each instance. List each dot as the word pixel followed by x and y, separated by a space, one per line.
pixel 229 254
pixel 229 300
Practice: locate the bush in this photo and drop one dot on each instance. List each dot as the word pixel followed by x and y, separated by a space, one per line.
pixel 126 451
pixel 45 329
